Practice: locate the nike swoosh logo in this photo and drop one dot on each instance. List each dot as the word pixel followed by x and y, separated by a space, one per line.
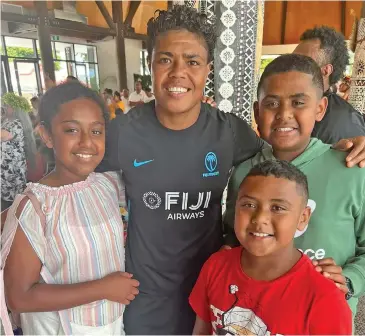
pixel 138 164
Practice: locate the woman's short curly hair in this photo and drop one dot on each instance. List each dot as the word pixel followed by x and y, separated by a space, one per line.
pixel 334 49
pixel 182 17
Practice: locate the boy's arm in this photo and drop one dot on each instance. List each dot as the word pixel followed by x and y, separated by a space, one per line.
pixel 201 327
pixel 354 269
pixel 330 315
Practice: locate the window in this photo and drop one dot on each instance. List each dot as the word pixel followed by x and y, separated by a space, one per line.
pixel 63 51
pixel 2 49
pixel 23 59
pixel 19 47
pixel 84 53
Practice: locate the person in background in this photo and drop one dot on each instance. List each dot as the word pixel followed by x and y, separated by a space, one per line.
pixel 18 152
pixel 34 113
pixel 137 97
pixel 329 50
pixel 70 78
pixel 149 95
pixel 109 101
pixel 266 279
pixel 118 104
pixel 108 96
pixel 344 88
pixel 125 100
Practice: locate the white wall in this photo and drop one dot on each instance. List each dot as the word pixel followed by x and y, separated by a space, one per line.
pixel 278 49
pixel 133 59
pixel 108 65
pixel 107 62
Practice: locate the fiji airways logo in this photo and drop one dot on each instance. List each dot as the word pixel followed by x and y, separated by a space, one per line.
pixel 178 204
pixel 211 163
pixel 151 200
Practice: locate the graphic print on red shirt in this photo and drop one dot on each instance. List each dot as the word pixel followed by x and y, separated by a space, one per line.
pixel 301 301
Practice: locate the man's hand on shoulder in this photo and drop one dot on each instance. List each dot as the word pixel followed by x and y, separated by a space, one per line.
pixel 356 146
pixel 225 247
pixel 209 101
pixel 331 271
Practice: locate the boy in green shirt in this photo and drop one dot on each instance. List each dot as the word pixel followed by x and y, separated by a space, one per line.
pixel 290 101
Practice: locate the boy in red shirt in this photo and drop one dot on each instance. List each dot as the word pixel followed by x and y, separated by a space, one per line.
pixel 267 286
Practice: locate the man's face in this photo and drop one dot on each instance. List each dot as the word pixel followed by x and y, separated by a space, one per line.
pixel 125 93
pixel 310 48
pixel 288 107
pixel 179 71
pixel 269 210
pixel 35 104
pixel 138 87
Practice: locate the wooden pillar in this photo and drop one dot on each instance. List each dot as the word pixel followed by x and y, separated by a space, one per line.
pixel 45 44
pixel 119 27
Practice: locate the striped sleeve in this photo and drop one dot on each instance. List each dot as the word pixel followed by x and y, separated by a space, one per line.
pixel 34 230
pixel 116 179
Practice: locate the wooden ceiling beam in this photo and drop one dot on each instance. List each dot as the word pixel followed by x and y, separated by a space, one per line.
pixel 104 12
pixel 133 6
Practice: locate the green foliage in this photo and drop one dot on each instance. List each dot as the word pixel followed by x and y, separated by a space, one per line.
pixel 26 53
pixel 20 52
pixel 16 102
pixel 264 63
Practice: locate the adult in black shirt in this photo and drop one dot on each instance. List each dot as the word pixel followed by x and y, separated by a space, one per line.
pixel 328 48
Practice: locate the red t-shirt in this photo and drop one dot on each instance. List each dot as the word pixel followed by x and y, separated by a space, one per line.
pixel 302 301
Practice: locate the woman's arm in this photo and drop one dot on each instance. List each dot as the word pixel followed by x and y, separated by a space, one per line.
pixel 23 291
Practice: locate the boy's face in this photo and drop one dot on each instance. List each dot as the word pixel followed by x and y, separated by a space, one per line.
pixel 179 71
pixel 269 210
pixel 288 107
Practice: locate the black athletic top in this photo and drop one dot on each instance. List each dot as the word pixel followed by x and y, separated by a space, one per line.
pixel 174 183
pixel 341 121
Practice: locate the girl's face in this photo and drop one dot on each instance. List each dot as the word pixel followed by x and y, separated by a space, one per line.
pixel 78 139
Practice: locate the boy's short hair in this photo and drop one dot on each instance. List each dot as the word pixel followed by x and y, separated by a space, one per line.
pixel 147 89
pixel 293 62
pixel 182 17
pixel 334 49
pixel 281 169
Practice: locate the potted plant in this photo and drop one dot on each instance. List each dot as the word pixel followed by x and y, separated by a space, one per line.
pixel 16 102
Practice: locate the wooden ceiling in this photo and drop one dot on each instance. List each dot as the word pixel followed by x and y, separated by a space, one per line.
pixel 284 21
